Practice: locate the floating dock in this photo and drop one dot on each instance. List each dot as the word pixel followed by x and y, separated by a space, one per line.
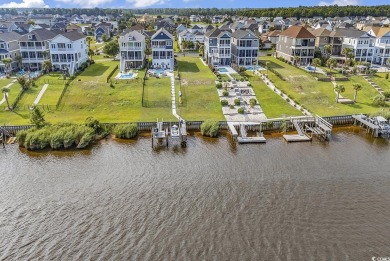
pixel 296 138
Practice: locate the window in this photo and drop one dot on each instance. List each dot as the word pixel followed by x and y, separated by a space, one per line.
pixel 53 46
pixel 70 46
pixel 169 43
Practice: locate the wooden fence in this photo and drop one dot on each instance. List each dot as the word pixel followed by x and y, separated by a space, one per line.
pixel 270 125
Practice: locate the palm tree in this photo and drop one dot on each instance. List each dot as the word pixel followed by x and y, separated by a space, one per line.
pixel 316 62
pixel 328 50
pixel 297 59
pixel 357 87
pixel 339 88
pixel 24 82
pixel 46 66
pixel 331 63
pixel 346 52
pixel 5 91
pixel 201 49
pixel 18 59
pixel 7 63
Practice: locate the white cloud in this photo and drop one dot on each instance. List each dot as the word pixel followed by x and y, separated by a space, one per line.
pixel 187 1
pixel 25 4
pixel 86 3
pixel 340 2
pixel 145 3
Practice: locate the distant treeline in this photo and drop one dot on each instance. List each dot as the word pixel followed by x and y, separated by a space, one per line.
pixel 301 11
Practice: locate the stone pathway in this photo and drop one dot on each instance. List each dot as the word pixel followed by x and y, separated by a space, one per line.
pixel 173 95
pixel 40 94
pixel 282 95
pixel 7 86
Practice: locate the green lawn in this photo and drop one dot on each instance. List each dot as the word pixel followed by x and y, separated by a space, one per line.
pixel 55 87
pixel 272 104
pixel 14 90
pixel 381 81
pixel 200 98
pixel 364 97
pixel 318 96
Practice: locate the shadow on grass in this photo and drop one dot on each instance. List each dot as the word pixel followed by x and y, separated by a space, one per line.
pixel 185 66
pixel 272 64
pixel 96 69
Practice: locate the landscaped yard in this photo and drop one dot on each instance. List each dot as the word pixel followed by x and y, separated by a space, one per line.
pixel 14 90
pixel 200 97
pixel 364 97
pixel 318 96
pixel 272 104
pixel 381 81
pixel 55 87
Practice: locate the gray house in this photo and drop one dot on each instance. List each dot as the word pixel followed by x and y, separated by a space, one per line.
pixel 217 47
pixel 245 46
pixel 9 48
pixel 296 41
pixel 132 50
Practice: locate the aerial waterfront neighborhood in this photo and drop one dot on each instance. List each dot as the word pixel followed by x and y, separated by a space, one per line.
pixel 127 67
pixel 175 130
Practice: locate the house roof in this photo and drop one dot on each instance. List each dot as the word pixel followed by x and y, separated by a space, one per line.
pixel 135 34
pixel 350 33
pixel 380 31
pixel 321 32
pixel 9 37
pixel 297 31
pixel 160 31
pixel 274 33
pixel 39 35
pixel 238 34
pixel 73 35
pixel 216 32
pixel 137 27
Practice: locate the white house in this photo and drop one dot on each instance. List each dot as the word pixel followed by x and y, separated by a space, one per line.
pixel 382 44
pixel 217 47
pixel 362 44
pixel 9 48
pixel 68 50
pixel 132 50
pixel 245 47
pixel 162 49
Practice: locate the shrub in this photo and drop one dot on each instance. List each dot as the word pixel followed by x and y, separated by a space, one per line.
pixel 224 102
pixel 241 110
pixel 252 102
pixel 94 124
pixel 237 102
pixel 249 84
pixel 218 85
pixel 21 137
pixel 287 100
pixel 386 94
pixel 379 100
pixel 225 93
pixel 125 131
pixel 231 106
pixel 210 128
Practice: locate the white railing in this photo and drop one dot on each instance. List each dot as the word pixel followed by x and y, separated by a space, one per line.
pixel 32 47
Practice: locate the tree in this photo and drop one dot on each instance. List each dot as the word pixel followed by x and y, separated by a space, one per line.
pixel 357 87
pixel 46 66
pixel 18 59
pixel 46 55
pixel 379 100
pixel 316 62
pixel 111 49
pixel 7 64
pixel 297 59
pixel 90 51
pixel 37 117
pixel 24 82
pixel 104 37
pixel 5 91
pixel 339 88
pixel 328 50
pixel 331 63
pixel 201 49
pixel 346 52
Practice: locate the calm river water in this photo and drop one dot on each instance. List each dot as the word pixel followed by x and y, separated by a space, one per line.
pixel 210 201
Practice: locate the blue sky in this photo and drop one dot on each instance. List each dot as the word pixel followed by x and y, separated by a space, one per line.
pixel 181 3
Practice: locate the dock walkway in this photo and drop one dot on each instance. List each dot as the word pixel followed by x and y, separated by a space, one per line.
pixel 369 125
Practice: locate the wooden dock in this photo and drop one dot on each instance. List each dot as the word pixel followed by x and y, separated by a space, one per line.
pixel 242 137
pixel 365 123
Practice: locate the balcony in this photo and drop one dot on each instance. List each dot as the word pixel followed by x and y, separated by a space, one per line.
pixel 224 45
pixel 62 60
pixel 132 58
pixel 132 48
pixel 383 45
pixel 33 48
pixel 158 46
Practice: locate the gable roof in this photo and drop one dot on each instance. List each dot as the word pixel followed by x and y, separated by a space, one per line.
pixel 297 31
pixel 161 32
pixel 238 34
pixel 216 32
pixel 135 34
pixel 9 37
pixel 39 35
pixel 321 32
pixel 73 35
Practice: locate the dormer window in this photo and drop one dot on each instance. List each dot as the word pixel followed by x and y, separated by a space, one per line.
pixel 30 36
